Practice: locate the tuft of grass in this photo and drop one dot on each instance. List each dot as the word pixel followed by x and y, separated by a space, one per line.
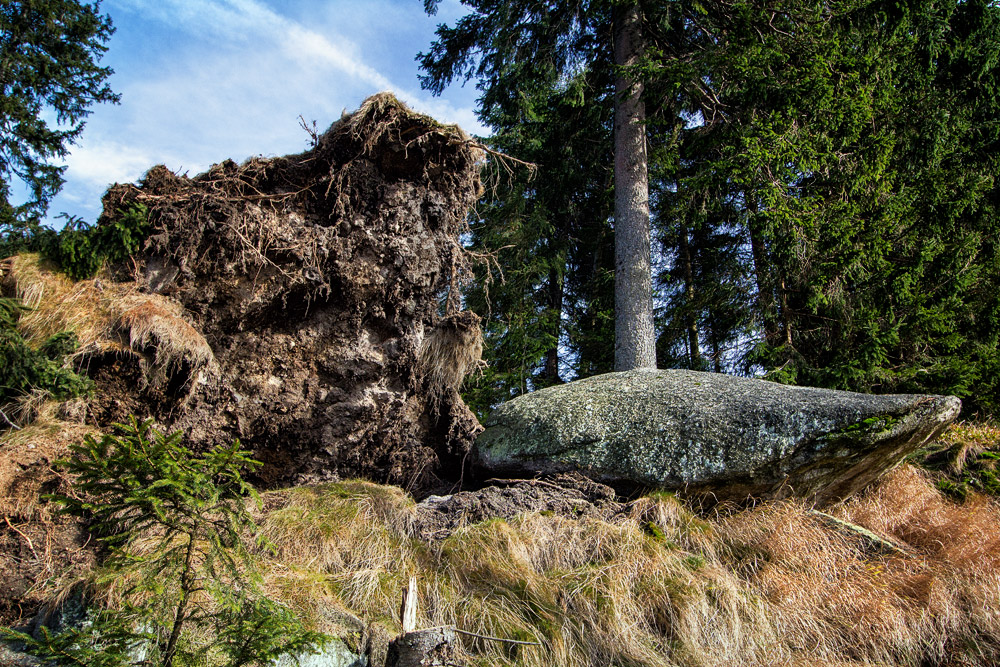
pixel 59 303
pixel 956 583
pixel 158 325
pixel 348 543
pixel 965 459
pixel 106 317
pixel 450 351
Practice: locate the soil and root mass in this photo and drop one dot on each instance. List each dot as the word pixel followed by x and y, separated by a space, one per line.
pixel 306 305
pixel 315 321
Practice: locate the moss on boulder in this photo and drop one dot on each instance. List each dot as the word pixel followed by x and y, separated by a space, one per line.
pixel 727 436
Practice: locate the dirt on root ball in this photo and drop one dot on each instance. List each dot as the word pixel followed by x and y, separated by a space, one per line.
pixel 323 286
pixel 306 305
pixel 570 495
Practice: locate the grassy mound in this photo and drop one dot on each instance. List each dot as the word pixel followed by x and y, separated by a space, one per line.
pixel 772 585
pixel 651 584
pixel 965 460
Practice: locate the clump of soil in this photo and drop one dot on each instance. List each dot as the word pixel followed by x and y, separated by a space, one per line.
pixel 570 495
pixel 316 282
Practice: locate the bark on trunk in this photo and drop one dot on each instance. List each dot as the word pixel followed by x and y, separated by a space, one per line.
pixel 422 648
pixel 634 335
pixel 555 306
pixel 786 316
pixel 690 321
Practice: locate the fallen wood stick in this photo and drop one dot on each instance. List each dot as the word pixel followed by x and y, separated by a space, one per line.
pixel 474 634
pixel 26 538
pixel 8 420
pixel 497 639
pixel 408 610
pixel 883 545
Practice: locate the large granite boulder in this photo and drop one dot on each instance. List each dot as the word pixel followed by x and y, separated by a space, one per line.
pixel 730 437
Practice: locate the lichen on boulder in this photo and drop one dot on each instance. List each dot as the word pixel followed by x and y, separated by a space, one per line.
pixel 722 436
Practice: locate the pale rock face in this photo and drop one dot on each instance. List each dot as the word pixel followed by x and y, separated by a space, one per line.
pixel 335 654
pixel 726 436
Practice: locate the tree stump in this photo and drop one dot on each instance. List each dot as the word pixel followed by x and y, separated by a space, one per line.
pixel 422 648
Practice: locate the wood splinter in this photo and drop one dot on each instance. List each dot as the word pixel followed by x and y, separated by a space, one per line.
pixel 429 646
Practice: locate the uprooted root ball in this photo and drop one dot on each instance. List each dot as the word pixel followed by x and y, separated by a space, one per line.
pixel 316 279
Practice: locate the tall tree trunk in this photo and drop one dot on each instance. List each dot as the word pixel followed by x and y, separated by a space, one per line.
pixel 180 614
pixel 635 339
pixel 690 319
pixel 765 287
pixel 555 307
pixel 716 354
pixel 786 315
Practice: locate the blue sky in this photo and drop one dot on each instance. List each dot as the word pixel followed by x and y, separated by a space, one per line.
pixel 206 80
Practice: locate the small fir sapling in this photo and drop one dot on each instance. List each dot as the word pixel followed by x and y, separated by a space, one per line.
pixel 180 543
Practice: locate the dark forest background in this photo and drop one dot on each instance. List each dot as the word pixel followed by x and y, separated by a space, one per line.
pixel 823 180
pixel 823 189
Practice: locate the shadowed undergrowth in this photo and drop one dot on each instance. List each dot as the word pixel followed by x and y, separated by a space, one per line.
pixel 966 458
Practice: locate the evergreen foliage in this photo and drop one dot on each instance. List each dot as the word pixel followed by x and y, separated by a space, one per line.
pixel 81 249
pixel 875 224
pixel 49 55
pixel 823 181
pixel 24 369
pixel 547 234
pixel 176 526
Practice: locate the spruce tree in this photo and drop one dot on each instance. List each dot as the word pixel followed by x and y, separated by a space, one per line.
pixel 860 146
pixel 179 539
pixel 512 47
pixel 50 52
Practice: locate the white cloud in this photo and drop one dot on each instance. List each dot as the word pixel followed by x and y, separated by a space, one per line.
pixel 312 49
pixel 101 163
pixel 247 22
pixel 210 79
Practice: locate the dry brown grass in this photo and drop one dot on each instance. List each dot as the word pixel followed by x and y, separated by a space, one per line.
pixel 106 316
pixel 60 304
pixel 772 585
pixel 39 550
pixel 960 545
pixel 450 351
pixel 768 586
pixel 153 323
pixel 26 459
